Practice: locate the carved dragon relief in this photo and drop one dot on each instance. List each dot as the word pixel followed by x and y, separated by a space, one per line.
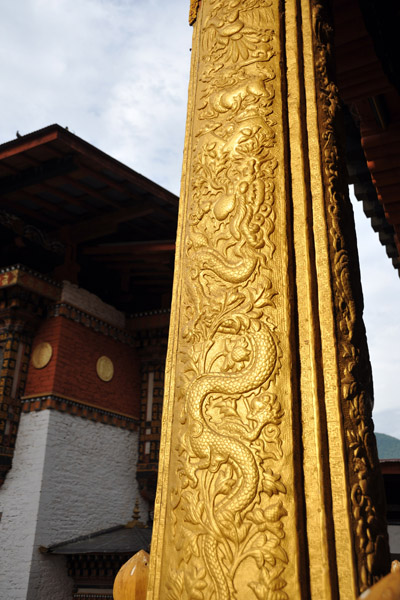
pixel 228 506
pixel 356 380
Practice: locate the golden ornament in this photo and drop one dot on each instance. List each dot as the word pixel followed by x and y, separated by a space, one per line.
pixel 41 355
pixel 268 467
pixel 105 368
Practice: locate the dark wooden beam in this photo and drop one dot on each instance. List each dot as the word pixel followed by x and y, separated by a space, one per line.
pixel 132 177
pixel 36 174
pixel 69 198
pixel 18 146
pixel 95 193
pixel 107 180
pixel 30 232
pixel 132 248
pixel 156 283
pixel 106 224
pixel 13 198
pixel 53 188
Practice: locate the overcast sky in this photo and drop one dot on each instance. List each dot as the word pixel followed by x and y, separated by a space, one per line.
pixel 116 73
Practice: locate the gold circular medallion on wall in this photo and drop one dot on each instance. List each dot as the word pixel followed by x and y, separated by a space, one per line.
pixel 105 368
pixel 41 355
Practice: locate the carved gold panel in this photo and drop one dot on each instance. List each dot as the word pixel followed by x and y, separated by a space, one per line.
pixel 263 486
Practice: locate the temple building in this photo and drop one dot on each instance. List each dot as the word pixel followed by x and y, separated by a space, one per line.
pixel 389 455
pixel 86 262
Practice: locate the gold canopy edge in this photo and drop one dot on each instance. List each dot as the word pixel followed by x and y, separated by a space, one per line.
pixel 193 10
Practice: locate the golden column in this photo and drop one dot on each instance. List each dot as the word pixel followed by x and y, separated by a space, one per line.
pixel 269 485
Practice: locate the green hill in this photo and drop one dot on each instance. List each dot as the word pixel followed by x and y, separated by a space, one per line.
pixel 388 446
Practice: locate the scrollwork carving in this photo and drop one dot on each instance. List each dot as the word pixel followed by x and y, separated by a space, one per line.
pixel 228 506
pixel 356 380
pixel 251 470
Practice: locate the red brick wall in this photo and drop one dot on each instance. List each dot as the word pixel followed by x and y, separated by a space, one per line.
pixel 71 371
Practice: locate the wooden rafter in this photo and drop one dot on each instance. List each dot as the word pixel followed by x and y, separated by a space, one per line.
pixel 99 226
pixel 132 248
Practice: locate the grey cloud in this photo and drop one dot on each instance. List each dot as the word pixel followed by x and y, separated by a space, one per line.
pixel 116 72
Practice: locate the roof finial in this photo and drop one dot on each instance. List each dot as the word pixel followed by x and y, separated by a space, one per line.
pixel 135 521
pixel 136 511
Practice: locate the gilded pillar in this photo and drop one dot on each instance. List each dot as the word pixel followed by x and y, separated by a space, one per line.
pixel 269 484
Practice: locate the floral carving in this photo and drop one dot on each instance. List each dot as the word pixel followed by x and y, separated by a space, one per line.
pixel 228 505
pixel 366 485
pixel 246 383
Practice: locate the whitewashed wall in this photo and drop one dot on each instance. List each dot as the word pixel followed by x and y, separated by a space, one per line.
pixel 394 538
pixel 92 304
pixel 70 477
pixel 19 503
